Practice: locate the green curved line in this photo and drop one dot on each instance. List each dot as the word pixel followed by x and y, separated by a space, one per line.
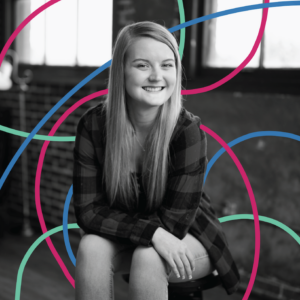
pixel 29 252
pixel 38 136
pixel 288 230
pixel 182 30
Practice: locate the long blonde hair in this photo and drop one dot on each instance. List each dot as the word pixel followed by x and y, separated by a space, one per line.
pixel 121 188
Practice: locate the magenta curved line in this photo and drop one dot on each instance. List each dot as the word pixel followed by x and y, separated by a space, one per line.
pixel 253 204
pixel 38 179
pixel 22 25
pixel 241 66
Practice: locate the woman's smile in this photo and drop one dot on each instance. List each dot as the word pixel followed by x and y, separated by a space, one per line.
pixel 153 89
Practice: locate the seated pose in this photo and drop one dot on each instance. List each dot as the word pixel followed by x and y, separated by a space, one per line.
pixel 139 164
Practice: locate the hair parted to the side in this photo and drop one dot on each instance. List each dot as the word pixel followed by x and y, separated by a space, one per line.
pixel 120 185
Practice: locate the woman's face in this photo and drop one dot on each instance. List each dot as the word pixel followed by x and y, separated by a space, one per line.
pixel 150 72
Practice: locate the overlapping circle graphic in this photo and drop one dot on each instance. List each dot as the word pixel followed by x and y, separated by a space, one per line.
pixel 50 137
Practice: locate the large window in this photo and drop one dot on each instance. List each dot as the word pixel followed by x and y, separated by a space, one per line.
pixel 229 39
pixel 69 33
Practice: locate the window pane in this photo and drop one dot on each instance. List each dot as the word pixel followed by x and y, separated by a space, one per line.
pixel 37 34
pixel 61 33
pixel 282 42
pixel 229 39
pixel 94 32
pixel 30 42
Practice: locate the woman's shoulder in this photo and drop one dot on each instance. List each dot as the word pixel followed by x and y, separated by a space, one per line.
pixel 94 117
pixel 188 146
pixel 188 126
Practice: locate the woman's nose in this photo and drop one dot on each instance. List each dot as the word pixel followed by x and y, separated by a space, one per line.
pixel 155 75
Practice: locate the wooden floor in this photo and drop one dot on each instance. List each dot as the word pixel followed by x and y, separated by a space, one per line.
pixel 43 278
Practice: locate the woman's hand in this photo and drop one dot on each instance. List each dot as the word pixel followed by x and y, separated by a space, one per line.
pixel 175 252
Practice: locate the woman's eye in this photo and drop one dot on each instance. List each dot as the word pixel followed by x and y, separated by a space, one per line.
pixel 142 66
pixel 168 65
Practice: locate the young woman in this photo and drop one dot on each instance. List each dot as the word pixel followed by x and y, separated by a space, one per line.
pixel 139 164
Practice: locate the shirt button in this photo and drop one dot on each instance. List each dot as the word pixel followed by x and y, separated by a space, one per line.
pixel 187 216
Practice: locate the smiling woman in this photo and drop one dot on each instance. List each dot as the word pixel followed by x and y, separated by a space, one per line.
pixel 139 164
pixel 150 73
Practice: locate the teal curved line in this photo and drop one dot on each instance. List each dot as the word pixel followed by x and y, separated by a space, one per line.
pixel 30 251
pixel 38 136
pixel 284 227
pixel 182 30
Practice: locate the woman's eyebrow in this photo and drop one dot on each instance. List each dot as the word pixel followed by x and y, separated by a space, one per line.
pixel 146 60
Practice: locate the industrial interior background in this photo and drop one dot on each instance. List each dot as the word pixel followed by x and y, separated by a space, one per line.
pixel 255 100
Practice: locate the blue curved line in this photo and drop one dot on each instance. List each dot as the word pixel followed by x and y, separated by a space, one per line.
pixel 65 226
pixel 233 11
pixel 107 64
pixel 247 137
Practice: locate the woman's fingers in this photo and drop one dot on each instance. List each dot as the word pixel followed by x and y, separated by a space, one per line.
pixel 191 259
pixel 173 267
pixel 187 266
pixel 180 266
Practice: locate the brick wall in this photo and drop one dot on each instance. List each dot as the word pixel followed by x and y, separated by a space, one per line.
pixel 57 171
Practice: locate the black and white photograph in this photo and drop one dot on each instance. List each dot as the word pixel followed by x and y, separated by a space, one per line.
pixel 149 150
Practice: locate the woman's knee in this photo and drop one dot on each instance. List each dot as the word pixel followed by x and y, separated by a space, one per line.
pixel 94 248
pixel 147 259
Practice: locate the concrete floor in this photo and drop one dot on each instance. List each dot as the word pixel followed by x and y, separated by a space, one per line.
pixel 43 278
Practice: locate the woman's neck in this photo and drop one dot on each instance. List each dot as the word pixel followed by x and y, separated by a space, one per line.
pixel 142 119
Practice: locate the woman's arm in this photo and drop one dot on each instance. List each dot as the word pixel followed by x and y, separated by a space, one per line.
pixel 179 207
pixel 91 207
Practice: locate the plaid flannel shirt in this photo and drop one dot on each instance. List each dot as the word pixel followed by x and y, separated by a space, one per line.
pixel 185 208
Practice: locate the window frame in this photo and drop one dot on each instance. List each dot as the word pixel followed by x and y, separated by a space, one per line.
pixel 254 80
pixel 260 80
pixel 54 75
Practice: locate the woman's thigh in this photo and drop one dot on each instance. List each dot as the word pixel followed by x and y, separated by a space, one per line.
pixel 96 252
pixel 203 265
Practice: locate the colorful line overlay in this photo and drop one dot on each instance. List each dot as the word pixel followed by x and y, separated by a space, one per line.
pixel 253 204
pixel 75 89
pixel 22 25
pixel 38 179
pixel 38 136
pixel 107 64
pixel 288 230
pixel 182 30
pixel 30 251
pixel 247 137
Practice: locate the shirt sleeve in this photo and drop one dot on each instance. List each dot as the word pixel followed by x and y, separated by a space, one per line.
pixel 180 204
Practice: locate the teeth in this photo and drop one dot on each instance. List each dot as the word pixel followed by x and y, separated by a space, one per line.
pixel 153 89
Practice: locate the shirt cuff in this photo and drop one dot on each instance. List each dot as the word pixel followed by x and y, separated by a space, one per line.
pixel 142 232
